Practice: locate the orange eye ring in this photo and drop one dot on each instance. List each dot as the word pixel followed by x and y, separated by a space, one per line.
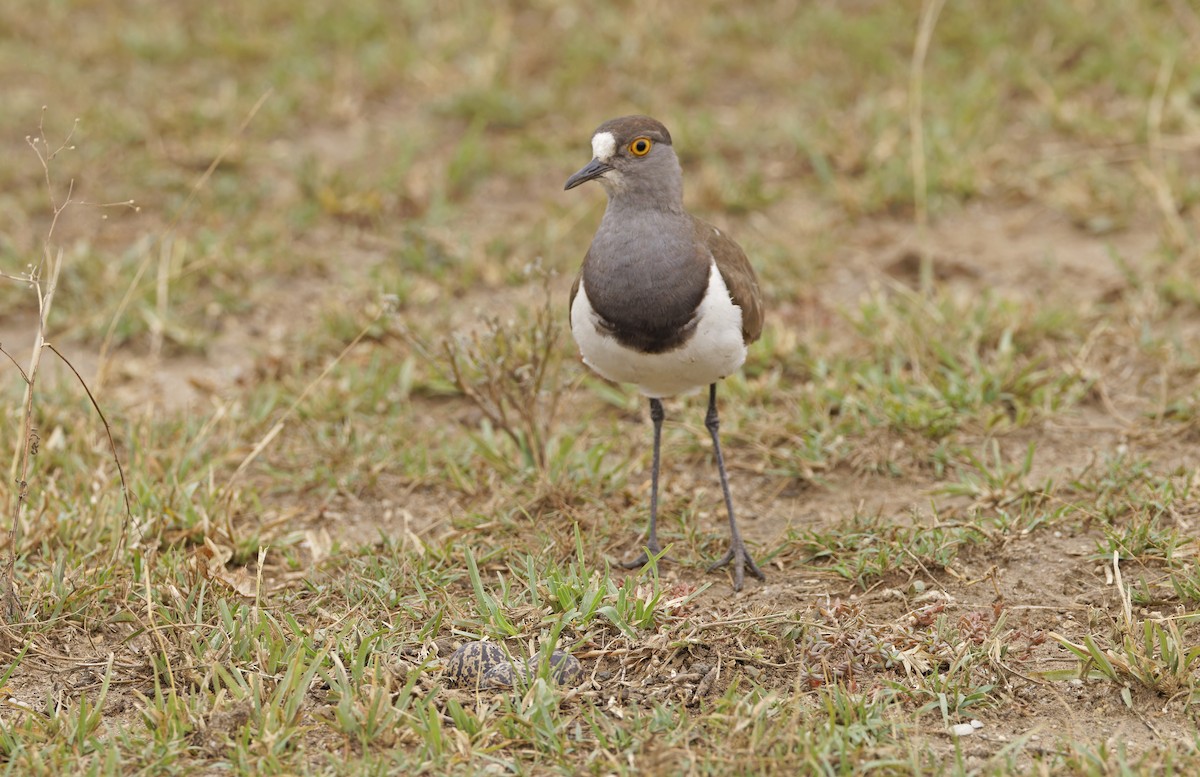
pixel 640 146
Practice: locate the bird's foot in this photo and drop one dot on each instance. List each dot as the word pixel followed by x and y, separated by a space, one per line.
pixel 738 559
pixel 643 559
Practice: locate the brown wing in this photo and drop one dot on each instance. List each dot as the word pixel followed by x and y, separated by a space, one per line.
pixel 574 291
pixel 738 276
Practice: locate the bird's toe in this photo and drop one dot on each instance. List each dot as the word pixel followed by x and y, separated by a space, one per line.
pixel 738 559
pixel 643 558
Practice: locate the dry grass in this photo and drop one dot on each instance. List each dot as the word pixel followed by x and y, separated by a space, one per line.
pixel 354 434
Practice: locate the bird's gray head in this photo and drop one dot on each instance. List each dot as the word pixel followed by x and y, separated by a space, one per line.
pixel 633 159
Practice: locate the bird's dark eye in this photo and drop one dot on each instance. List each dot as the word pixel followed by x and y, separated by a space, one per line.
pixel 640 147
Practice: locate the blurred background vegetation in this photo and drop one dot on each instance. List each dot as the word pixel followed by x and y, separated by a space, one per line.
pixel 441 130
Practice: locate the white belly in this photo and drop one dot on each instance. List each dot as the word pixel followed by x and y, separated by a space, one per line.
pixel 714 350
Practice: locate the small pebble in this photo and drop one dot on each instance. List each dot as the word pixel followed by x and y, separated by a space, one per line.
pixel 976 723
pixel 962 729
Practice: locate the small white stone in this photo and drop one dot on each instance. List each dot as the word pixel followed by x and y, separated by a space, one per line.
pixel 962 729
pixel 976 723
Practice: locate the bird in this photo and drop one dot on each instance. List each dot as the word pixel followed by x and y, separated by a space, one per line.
pixel 663 300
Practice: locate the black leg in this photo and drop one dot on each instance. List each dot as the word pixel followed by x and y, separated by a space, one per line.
pixel 656 415
pixel 737 556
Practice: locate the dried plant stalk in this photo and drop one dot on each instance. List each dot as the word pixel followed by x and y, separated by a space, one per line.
pixel 27 443
pixel 510 372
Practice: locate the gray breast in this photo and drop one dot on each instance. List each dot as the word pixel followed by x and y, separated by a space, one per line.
pixel 645 281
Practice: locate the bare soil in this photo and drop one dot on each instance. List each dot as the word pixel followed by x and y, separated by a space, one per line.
pixel 1040 582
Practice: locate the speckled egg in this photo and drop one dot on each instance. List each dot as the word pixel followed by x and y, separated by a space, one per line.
pixel 466 666
pixel 565 669
pixel 504 675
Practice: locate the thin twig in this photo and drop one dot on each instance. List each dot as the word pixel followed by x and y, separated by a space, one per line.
pixel 111 444
pixel 930 9
pixel 26 445
pixel 24 377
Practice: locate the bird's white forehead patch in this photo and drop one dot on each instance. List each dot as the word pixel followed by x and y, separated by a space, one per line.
pixel 604 145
